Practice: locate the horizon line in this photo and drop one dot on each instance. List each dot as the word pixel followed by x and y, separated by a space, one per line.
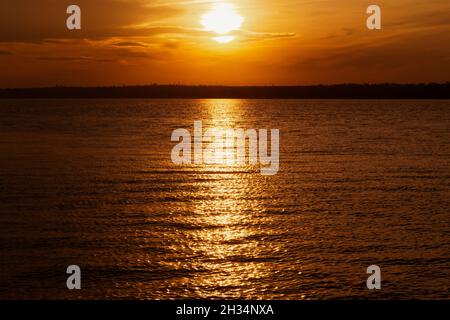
pixel 178 91
pixel 230 85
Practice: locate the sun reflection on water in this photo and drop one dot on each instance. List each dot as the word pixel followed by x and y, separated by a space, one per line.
pixel 225 246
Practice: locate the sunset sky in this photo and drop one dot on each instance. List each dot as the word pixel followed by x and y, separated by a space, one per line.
pixel 279 42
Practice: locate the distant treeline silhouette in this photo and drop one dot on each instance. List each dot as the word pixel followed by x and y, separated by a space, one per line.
pixel 340 91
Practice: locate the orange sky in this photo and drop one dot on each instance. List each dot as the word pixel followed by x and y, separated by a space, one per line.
pixel 280 42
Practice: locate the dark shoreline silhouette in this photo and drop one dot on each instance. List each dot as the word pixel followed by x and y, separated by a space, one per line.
pixel 340 91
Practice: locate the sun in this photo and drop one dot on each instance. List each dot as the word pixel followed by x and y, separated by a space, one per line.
pixel 222 20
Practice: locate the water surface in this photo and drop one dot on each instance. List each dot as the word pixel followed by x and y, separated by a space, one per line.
pixel 91 183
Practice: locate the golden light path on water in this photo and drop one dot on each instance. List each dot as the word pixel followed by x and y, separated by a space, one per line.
pixel 227 245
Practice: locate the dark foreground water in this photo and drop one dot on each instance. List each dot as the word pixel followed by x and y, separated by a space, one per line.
pixel 91 183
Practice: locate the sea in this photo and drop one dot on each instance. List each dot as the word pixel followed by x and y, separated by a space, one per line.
pixel 92 183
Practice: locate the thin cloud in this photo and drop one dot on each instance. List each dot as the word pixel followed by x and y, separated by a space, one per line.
pixel 80 58
pixel 262 36
pixel 129 44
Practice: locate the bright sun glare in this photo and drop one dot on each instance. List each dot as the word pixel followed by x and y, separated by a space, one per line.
pixel 222 20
